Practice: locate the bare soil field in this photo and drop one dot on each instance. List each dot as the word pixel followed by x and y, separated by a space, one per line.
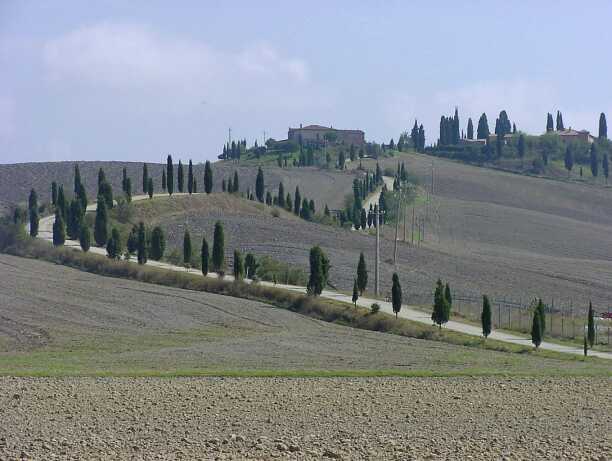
pixel 16 180
pixel 61 321
pixel 314 418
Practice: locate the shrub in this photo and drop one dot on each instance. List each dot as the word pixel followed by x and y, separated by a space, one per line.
pixel 374 308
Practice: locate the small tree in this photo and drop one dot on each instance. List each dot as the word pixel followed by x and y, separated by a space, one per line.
pixel 59 229
pixel 236 184
pixel 85 238
pixel 150 188
pixel 305 210
pixel 297 201
pixel 101 223
pixel 396 295
pixel 187 250
pixel 142 244
pixel 319 271
pixel 145 178
pixel 113 245
pixel 218 253
pixel 208 178
pixel 362 274
pixel 536 330
pixel 591 326
pixel 259 185
pixel 190 178
pixel 440 310
pixel 250 265
pixel 205 257
pixel 170 175
pixel 485 317
pixel 158 243
pixel 238 265
pixel 355 293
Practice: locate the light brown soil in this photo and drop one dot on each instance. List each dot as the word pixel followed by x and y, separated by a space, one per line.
pixel 449 418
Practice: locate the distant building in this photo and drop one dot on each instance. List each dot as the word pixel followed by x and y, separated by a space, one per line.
pixel 472 142
pixel 573 135
pixel 508 137
pixel 317 135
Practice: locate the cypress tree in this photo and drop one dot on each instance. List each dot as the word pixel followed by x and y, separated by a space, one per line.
pixel 281 195
pixel 396 295
pixel 101 179
pixel 180 177
pixel 32 200
pixel 542 315
pixel 305 210
pixel 158 243
pixel 536 330
pixel 101 223
pixel 82 196
pixel 75 219
pixel 594 160
pixel 319 271
pixel 145 178
pixel 363 218
pixel 449 301
pixel 223 185
pixel 128 189
pixel 230 186
pixel 297 201
pixel 113 246
pixel 205 257
pixel 190 178
pixel 250 265
pixel 560 121
pixel 132 241
pixel 208 178
pixel 238 266
pixel 485 316
pixel 605 167
pixel 77 179
pixel 141 251
pixel 106 192
pixel 585 346
pixel 288 202
pixel 236 187
pixel 218 261
pixel 569 160
pixel 603 126
pixel 170 175
pixel 482 132
pixel 440 310
pixel 549 123
pixel 259 185
pixel 150 187
pixel 355 293
pixel 124 180
pixel 59 229
pixel 62 205
pixel 268 198
pixel 54 193
pixel 591 326
pixel 326 212
pixel 34 222
pixel 164 180
pixel 85 238
pixel 187 250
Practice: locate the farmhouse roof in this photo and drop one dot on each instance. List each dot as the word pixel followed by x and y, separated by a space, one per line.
pixel 320 127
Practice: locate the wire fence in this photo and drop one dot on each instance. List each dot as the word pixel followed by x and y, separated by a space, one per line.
pixel 564 319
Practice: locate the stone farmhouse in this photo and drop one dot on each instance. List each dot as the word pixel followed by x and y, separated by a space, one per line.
pixel 317 135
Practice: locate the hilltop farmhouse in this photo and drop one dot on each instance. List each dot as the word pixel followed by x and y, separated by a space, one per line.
pixel 317 135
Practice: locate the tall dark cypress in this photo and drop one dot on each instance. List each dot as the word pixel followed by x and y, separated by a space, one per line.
pixel 594 160
pixel 170 175
pixel 260 185
pixel 77 179
pixel 482 132
pixel 180 177
pixel 101 223
pixel 54 193
pixel 235 184
pixel 205 257
pixel 218 253
pixel 485 317
pixel 281 195
pixel 396 295
pixel 208 177
pixel 536 330
pixel 603 126
pixel 33 213
pixel 187 250
pixel 59 229
pixel 158 242
pixel 141 251
pixel 591 326
pixel 549 123
pixel 190 178
pixel 145 178
pixel 456 127
pixel 559 121
pixel 470 129
pixel 297 201
pixel 362 274
pixel 238 265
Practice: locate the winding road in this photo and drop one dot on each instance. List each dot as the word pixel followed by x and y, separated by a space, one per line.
pixel 407 312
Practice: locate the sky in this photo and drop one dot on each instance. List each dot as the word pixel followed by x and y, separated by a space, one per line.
pixel 137 80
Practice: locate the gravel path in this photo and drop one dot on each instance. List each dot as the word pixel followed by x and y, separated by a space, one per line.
pixel 317 418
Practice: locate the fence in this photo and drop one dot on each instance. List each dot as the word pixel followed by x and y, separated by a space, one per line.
pixel 563 318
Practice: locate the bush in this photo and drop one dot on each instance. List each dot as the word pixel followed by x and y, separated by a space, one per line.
pixel 374 308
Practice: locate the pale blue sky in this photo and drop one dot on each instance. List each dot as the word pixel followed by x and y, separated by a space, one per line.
pixel 136 80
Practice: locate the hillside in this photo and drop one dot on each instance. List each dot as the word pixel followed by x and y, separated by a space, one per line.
pixel 58 320
pixel 16 180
